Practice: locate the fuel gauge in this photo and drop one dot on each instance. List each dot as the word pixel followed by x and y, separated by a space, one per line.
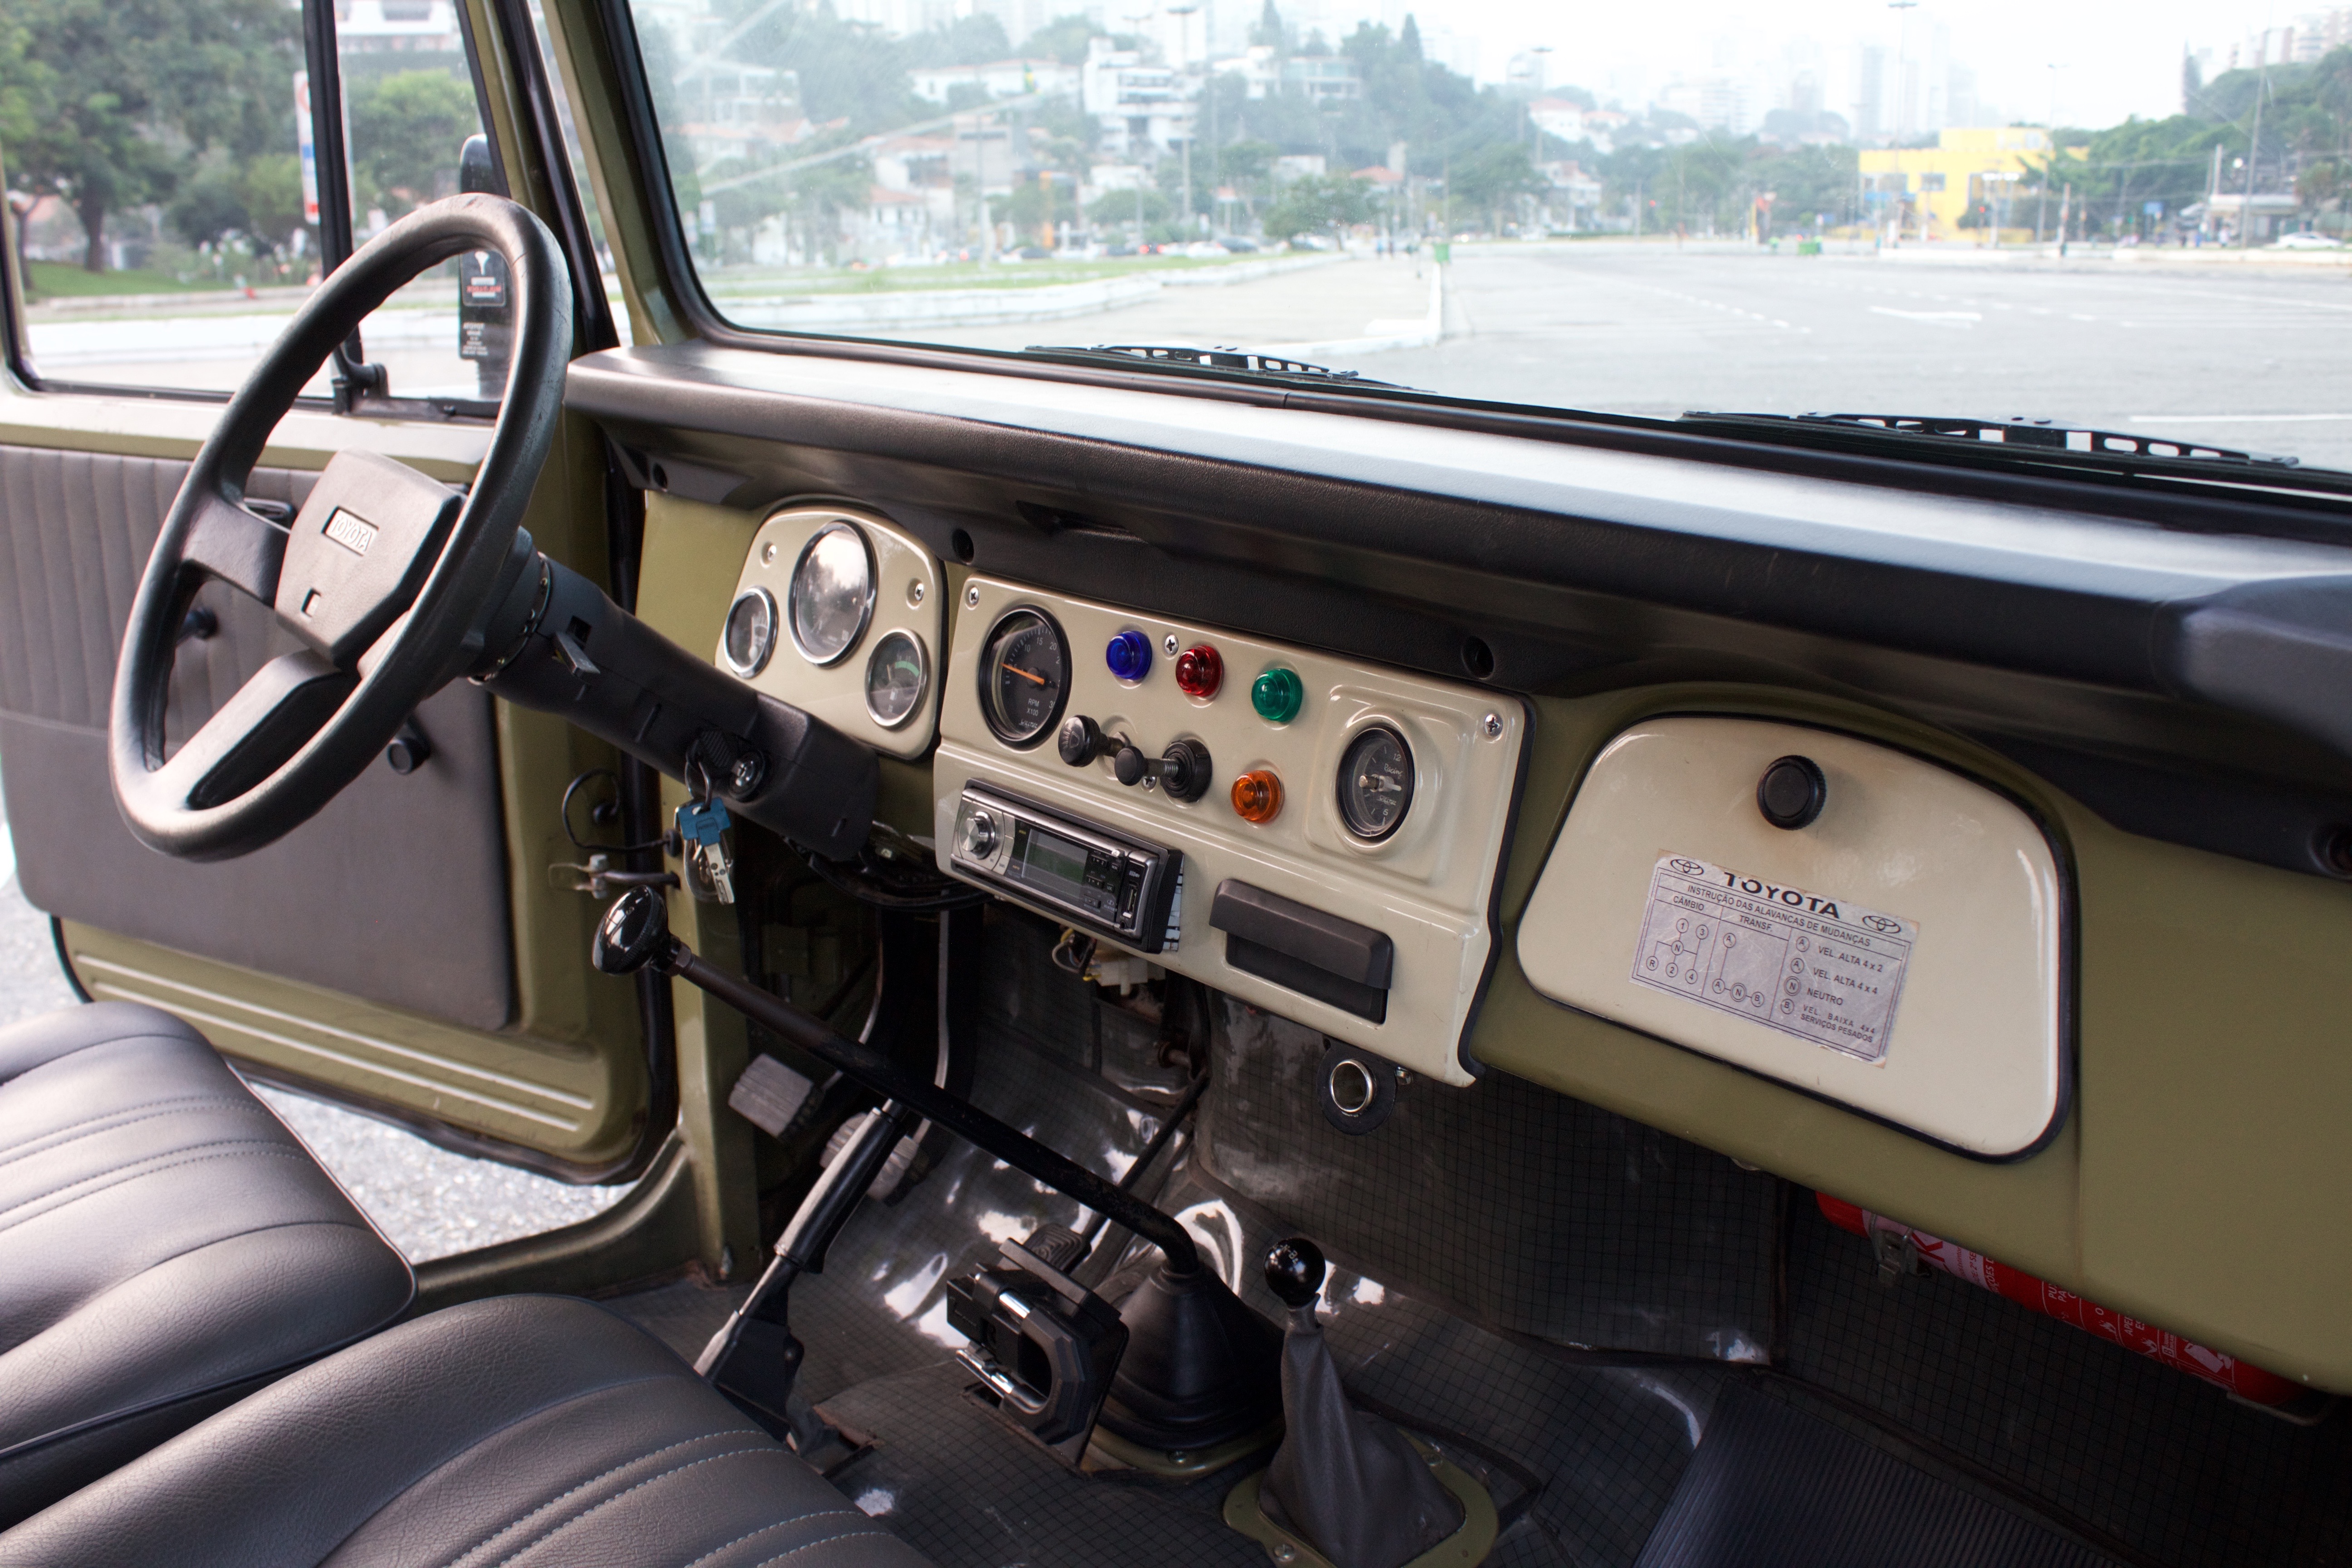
pixel 896 675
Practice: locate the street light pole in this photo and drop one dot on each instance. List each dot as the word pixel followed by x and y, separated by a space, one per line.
pixel 1903 10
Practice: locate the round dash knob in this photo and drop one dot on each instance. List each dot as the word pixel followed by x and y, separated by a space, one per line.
pixel 1791 792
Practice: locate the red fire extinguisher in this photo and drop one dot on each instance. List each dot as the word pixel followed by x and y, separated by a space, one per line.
pixel 2249 1383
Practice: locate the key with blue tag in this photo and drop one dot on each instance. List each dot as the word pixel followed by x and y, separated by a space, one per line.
pixel 702 827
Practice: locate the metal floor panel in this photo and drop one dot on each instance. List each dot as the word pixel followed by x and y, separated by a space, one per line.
pixel 1772 1487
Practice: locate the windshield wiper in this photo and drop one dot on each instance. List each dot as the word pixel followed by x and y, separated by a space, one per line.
pixel 2047 434
pixel 1231 361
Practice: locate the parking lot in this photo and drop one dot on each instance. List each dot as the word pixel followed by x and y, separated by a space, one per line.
pixel 2241 355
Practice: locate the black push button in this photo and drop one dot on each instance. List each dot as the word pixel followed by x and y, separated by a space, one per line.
pixel 1791 792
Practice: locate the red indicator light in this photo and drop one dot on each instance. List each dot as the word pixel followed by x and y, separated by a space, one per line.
pixel 1199 671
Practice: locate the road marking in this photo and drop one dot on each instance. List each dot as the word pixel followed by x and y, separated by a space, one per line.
pixel 1940 317
pixel 2232 419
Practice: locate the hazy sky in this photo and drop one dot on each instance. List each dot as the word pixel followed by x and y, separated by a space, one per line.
pixel 2116 58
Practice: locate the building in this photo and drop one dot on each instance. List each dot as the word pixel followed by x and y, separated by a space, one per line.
pixel 1558 118
pixel 393 27
pixel 1932 187
pixel 1321 78
pixel 1143 109
pixel 998 79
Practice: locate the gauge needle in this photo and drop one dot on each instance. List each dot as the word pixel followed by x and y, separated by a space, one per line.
pixel 1016 669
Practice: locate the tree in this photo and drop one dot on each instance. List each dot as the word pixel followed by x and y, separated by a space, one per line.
pixel 1064 39
pixel 974 40
pixel 407 129
pixel 1489 179
pixel 1317 204
pixel 1269 32
pixel 133 91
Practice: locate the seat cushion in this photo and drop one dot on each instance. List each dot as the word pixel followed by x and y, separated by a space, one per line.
pixel 166 1246
pixel 522 1431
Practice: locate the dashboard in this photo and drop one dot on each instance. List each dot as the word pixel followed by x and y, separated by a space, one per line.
pixel 2065 749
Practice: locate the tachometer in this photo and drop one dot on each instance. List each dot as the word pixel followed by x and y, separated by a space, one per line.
pixel 1024 677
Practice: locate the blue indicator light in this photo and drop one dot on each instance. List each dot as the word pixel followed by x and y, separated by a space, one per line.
pixel 1128 655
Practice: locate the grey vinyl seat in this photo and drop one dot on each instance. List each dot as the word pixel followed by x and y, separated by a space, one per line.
pixel 522 1431
pixel 167 1247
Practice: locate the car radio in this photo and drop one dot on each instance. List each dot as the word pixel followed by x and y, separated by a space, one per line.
pixel 1099 881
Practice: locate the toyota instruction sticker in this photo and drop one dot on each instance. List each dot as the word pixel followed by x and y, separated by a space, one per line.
pixel 1792 959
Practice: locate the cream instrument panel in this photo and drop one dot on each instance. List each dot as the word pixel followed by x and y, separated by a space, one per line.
pixel 1371 891
pixel 839 614
pixel 1852 920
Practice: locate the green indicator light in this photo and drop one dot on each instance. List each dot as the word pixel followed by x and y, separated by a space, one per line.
pixel 1278 695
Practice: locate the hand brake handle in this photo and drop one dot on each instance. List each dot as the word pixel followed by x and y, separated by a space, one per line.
pixel 635 933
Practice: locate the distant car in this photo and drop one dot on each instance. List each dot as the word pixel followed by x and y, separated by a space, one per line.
pixel 1236 243
pixel 2305 241
pixel 1033 253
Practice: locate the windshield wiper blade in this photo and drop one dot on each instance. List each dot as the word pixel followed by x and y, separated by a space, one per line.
pixel 2042 435
pixel 1232 361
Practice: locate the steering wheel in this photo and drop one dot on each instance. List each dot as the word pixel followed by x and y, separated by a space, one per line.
pixel 383 576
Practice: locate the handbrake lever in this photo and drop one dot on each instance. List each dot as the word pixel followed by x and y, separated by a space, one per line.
pixel 634 933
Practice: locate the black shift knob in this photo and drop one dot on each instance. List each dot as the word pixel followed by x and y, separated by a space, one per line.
pixel 1293 1270
pixel 634 933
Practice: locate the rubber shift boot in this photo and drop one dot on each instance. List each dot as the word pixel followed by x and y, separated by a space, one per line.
pixel 1345 1481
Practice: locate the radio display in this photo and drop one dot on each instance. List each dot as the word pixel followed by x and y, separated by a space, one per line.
pixel 1074 873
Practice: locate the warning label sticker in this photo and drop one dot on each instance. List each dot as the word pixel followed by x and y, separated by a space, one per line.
pixel 1791 959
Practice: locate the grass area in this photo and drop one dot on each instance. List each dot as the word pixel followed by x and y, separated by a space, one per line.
pixel 61 280
pixel 771 283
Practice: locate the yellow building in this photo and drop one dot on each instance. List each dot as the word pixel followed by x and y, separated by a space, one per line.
pixel 1928 189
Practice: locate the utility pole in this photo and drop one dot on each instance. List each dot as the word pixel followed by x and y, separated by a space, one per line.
pixel 1902 37
pixel 2254 145
pixel 2066 210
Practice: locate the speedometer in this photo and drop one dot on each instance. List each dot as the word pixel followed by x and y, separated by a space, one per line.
pixel 831 594
pixel 1024 677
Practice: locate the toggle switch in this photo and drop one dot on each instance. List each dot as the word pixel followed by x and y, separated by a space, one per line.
pixel 1183 768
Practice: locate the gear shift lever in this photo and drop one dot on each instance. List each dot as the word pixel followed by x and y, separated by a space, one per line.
pixel 1346 1482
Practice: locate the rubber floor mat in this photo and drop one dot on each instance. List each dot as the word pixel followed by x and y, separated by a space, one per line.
pixel 1772 1487
pixel 948 1477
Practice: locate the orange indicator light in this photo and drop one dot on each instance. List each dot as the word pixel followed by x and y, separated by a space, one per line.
pixel 1257 795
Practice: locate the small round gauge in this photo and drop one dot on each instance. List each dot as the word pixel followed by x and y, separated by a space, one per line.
pixel 751 632
pixel 1024 677
pixel 831 594
pixel 895 678
pixel 1375 782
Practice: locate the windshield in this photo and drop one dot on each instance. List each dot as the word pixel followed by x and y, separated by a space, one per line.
pixel 1906 209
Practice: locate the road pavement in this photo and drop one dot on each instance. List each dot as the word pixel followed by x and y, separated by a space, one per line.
pixel 2235 356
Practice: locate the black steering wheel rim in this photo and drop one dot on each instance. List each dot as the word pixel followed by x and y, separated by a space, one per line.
pixel 209 535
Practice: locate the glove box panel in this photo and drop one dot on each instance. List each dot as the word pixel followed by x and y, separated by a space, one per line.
pixel 1902 953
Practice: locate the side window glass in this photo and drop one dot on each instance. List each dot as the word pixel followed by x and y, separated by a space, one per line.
pixel 410 116
pixel 163 179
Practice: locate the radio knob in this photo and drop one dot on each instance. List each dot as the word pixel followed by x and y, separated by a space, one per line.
pixel 979 835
